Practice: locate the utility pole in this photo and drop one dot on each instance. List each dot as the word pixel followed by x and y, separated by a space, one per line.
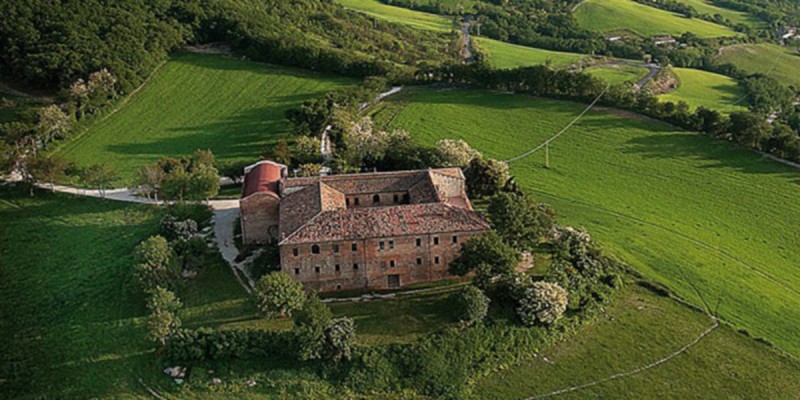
pixel 547 155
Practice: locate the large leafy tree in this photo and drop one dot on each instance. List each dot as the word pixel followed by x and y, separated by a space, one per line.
pixel 488 249
pixel 519 220
pixel 278 295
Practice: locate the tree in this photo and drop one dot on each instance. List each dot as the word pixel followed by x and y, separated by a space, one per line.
pixel 155 263
pixel 281 153
pixel 278 295
pixel 163 320
pixel 99 176
pixel 309 169
pixel 486 178
pixel 203 184
pixel 52 124
pixel 487 249
pixel 472 305
pixel 8 157
pixel 310 323
pixel 339 337
pixel 749 129
pixel 50 169
pixel 149 180
pixel 519 220
pixel 190 253
pixel 307 150
pixel 456 153
pixel 543 302
pixel 177 184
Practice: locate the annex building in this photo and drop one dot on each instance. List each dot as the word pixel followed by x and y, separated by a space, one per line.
pixel 367 230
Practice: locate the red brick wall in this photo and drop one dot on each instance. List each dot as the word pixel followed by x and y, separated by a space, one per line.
pixel 374 264
pixel 259 218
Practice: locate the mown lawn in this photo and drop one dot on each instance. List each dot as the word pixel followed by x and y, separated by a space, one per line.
pixel 618 73
pixel 772 60
pixel 700 88
pixel 400 15
pixel 504 55
pixel 697 214
pixel 638 329
pixel 627 15
pixel 198 101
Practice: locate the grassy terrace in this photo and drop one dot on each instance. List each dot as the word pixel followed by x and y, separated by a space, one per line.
pixel 627 15
pixel 772 60
pixel 737 17
pixel 700 88
pixel 700 215
pixel 618 73
pixel 638 329
pixel 401 15
pixel 197 101
pixel 506 55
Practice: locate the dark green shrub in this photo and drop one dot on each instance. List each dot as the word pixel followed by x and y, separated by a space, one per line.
pixel 278 295
pixel 191 253
pixel 175 229
pixel 199 213
pixel 206 344
pixel 472 305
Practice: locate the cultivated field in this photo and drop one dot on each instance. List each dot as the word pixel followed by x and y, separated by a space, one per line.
pixel 627 15
pixel 737 17
pixel 772 60
pixel 711 220
pixel 198 101
pixel 618 73
pixel 700 88
pixel 400 15
pixel 641 328
pixel 506 55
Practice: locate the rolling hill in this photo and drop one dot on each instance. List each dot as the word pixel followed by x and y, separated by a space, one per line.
pixel 781 63
pixel 700 88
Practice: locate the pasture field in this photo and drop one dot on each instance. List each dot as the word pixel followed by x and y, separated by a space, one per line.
pixel 638 329
pixel 618 73
pixel 737 17
pixel 781 63
pixel 700 88
pixel 199 101
pixel 401 15
pixel 710 220
pixel 504 55
pixel 627 15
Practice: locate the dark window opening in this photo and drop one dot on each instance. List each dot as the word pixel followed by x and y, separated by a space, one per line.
pixel 406 198
pixel 347 202
pixel 354 247
pixel 436 241
pixel 315 249
pixel 336 248
pixel 316 269
pixel 419 261
pixel 391 263
pixel 455 239
pixel 338 287
pixel 297 271
pixel 396 198
pixel 419 242
pixel 355 201
pixel 338 268
pixel 391 245
pixel 381 246
pixel 355 267
pixel 295 252
pixel 436 260
pixel 376 198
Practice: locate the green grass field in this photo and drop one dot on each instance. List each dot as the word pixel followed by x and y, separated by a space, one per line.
pixel 772 60
pixel 196 101
pixel 737 17
pixel 700 88
pixel 638 329
pixel 699 215
pixel 506 55
pixel 627 15
pixel 618 73
pixel 400 15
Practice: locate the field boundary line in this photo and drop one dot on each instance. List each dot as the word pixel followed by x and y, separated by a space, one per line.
pixel 635 371
pixel 569 125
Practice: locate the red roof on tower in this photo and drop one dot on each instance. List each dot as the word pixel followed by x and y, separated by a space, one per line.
pixel 263 176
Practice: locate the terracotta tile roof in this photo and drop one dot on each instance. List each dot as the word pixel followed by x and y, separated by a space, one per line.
pixel 262 177
pixel 371 222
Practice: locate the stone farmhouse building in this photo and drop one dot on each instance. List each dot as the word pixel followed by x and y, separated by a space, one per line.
pixel 368 230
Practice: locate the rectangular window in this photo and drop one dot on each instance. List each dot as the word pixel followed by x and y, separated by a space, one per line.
pixel 436 260
pixel 297 271
pixel 336 248
pixel 419 261
pixel 354 247
pixel 355 201
pixel 355 267
pixel 455 239
pixel 391 263
pixel 347 202
pixel 295 252
pixel 391 245
pixel 338 268
pixel 406 198
pixel 396 198
pixel 419 242
pixel 381 246
pixel 436 241
pixel 316 270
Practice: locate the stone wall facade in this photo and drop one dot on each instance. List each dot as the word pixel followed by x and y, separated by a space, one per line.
pixel 376 263
pixel 259 218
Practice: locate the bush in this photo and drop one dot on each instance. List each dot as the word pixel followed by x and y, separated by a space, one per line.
pixel 486 178
pixel 472 305
pixel 174 229
pixel 543 302
pixel 519 220
pixel 163 320
pixel 206 344
pixel 310 325
pixel 488 249
pixel 199 213
pixel 191 254
pixel 278 295
pixel 155 264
